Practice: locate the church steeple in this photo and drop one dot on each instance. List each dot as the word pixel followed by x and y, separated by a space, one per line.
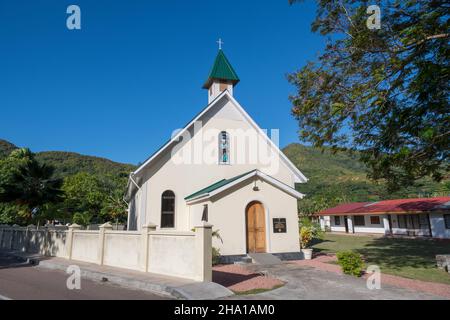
pixel 221 77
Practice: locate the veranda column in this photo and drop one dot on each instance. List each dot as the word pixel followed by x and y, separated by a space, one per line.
pixel 69 241
pixel 203 248
pixel 351 228
pixel 101 245
pixel 145 245
pixel 322 223
pixel 387 227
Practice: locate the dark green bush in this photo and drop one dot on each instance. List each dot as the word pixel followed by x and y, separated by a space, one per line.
pixel 350 262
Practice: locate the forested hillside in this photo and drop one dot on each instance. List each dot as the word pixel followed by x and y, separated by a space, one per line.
pixel 343 176
pixel 69 163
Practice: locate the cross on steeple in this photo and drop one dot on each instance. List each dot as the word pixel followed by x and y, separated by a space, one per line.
pixel 220 42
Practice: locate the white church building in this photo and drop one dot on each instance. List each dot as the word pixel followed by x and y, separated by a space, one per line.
pixel 224 169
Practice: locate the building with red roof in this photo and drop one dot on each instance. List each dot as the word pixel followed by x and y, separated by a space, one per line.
pixel 428 217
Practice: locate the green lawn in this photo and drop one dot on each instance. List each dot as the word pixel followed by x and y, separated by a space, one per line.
pixel 410 258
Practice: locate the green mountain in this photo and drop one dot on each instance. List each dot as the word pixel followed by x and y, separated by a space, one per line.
pixel 5 148
pixel 343 175
pixel 69 163
pixel 329 174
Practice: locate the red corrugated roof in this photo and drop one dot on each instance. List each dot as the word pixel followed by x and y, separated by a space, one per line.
pixel 391 206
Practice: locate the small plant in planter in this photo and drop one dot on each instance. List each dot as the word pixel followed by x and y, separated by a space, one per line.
pixel 306 235
pixel 350 262
pixel 308 232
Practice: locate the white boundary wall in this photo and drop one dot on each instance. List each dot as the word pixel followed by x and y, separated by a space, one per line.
pixel 180 254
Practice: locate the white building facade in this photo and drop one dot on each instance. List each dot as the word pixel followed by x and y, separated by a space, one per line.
pixel 422 217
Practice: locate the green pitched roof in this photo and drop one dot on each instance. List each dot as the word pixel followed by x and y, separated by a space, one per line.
pixel 221 70
pixel 215 186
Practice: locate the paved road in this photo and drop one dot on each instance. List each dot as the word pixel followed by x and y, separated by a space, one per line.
pixel 19 280
pixel 305 283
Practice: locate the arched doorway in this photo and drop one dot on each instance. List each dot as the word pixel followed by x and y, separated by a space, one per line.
pixel 256 227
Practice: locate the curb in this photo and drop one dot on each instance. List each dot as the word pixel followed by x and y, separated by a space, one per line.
pixel 123 281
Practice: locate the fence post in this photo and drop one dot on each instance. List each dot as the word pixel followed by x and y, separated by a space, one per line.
pixel 145 239
pixel 203 248
pixel 29 237
pixel 69 241
pixel 101 245
pixel 26 240
pixel 1 235
pixel 11 242
pixel 46 241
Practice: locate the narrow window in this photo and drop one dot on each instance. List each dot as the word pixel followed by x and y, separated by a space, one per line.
pixel 401 221
pixel 168 209
pixel 359 221
pixel 337 220
pixel 205 213
pixel 224 148
pixel 423 221
pixel 375 220
pixel 447 221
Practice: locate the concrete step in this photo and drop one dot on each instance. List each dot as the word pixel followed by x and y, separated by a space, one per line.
pixel 264 258
pixel 244 261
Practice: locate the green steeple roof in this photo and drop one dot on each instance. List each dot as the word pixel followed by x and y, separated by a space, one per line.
pixel 221 70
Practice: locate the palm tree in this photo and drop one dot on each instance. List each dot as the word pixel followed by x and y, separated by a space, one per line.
pixel 115 208
pixel 33 185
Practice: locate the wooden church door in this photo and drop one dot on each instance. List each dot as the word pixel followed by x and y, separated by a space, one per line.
pixel 256 228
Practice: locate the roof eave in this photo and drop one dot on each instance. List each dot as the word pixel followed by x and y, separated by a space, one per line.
pixel 209 82
pixel 294 193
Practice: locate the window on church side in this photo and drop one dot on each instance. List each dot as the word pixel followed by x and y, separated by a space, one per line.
pixel 224 148
pixel 168 209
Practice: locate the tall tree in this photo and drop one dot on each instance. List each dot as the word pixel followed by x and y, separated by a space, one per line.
pixel 384 92
pixel 115 208
pixel 29 183
pixel 85 194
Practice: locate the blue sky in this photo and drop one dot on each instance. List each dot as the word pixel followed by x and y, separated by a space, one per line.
pixel 114 88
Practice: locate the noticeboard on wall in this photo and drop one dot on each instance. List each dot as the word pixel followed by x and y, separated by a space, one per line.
pixel 279 225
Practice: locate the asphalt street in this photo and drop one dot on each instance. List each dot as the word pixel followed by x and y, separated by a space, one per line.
pixel 21 281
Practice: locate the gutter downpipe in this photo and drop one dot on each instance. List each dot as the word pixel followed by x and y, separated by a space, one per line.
pixel 139 188
pixel 132 180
